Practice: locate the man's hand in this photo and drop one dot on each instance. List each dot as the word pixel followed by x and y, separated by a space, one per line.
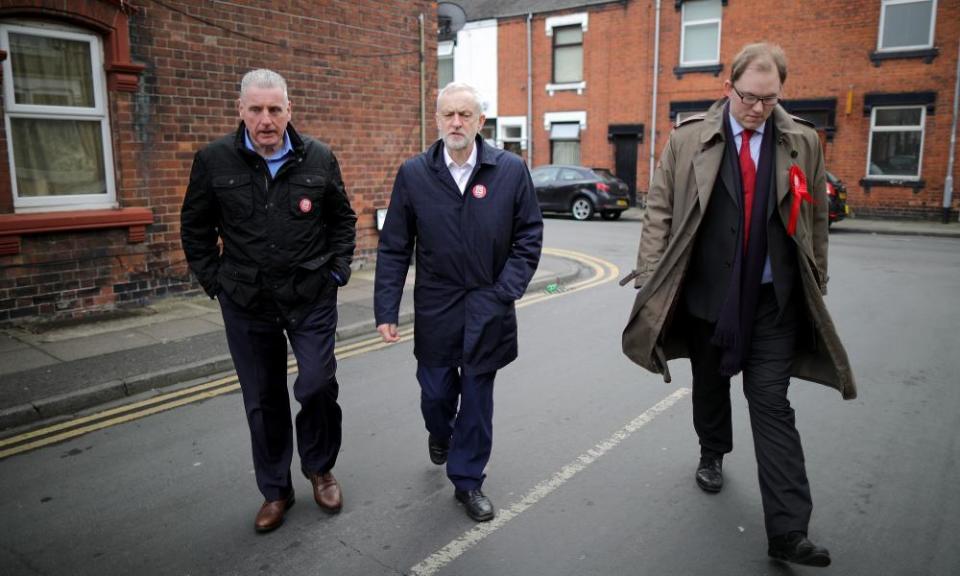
pixel 388 332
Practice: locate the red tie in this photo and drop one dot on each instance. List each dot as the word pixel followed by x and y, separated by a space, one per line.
pixel 748 177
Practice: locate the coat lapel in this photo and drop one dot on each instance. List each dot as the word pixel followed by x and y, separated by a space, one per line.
pixel 437 164
pixel 706 164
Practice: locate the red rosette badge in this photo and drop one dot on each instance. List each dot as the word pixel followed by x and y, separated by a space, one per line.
pixel 798 188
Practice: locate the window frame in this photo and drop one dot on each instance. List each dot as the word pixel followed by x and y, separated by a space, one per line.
pixel 446 52
pixel 555 46
pixel 98 112
pixel 578 139
pixel 505 122
pixel 883 13
pixel 921 127
pixel 683 36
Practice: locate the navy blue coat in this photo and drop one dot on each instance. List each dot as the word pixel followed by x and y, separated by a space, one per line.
pixel 475 255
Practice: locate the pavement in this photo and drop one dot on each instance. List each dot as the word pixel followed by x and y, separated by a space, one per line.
pixel 55 371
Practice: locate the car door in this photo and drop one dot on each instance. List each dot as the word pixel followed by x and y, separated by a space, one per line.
pixel 545 184
pixel 569 184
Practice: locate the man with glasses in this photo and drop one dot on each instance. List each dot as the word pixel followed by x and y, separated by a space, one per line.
pixel 732 269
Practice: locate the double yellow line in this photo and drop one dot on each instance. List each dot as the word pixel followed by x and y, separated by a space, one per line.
pixel 601 272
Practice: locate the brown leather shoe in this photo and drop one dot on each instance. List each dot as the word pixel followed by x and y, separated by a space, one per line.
pixel 326 491
pixel 270 516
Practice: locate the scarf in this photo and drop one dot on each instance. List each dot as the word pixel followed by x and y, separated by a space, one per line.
pixel 735 320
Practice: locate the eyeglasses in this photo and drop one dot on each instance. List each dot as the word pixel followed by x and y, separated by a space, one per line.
pixel 752 99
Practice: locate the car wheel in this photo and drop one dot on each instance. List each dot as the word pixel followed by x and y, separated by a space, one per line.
pixel 582 208
pixel 611 215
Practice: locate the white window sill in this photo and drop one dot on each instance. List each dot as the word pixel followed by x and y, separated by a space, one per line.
pixel 568 86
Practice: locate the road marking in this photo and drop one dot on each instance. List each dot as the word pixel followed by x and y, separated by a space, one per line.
pixel 603 271
pixel 474 536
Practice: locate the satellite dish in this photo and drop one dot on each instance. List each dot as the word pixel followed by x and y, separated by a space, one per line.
pixel 450 19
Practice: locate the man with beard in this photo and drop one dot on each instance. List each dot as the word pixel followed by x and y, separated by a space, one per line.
pixel 470 212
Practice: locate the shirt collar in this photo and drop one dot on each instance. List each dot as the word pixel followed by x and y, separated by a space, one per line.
pixel 451 163
pixel 736 128
pixel 283 151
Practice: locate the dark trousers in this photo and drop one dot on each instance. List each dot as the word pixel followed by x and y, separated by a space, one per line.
pixel 469 428
pixel 259 352
pixel 766 377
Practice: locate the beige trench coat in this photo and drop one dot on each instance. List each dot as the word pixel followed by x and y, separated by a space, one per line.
pixel 683 182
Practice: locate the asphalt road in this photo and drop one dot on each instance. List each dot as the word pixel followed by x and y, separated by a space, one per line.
pixel 592 469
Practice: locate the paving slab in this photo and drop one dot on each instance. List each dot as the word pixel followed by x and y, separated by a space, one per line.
pixel 97 345
pixel 25 358
pixel 179 329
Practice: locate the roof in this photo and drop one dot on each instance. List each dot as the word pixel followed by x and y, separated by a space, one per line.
pixel 486 9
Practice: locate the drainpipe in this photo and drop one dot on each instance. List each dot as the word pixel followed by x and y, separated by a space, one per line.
pixel 653 115
pixel 530 89
pixel 948 181
pixel 423 86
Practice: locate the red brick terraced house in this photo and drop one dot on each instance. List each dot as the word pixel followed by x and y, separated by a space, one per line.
pixel 104 103
pixel 575 83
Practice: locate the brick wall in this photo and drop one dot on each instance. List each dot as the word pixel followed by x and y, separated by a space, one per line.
pixel 354 80
pixel 616 70
pixel 827 44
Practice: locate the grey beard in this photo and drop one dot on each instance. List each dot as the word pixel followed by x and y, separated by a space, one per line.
pixel 460 145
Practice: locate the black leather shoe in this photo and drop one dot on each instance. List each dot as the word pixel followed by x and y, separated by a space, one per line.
pixel 478 506
pixel 438 450
pixel 797 548
pixel 710 474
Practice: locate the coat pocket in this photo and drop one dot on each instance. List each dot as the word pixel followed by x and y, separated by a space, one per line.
pixel 239 281
pixel 234 195
pixel 490 331
pixel 313 277
pixel 306 193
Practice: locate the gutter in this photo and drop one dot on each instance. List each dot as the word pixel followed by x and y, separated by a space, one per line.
pixel 653 115
pixel 530 90
pixel 948 181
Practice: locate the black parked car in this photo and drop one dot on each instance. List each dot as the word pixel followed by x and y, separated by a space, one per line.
pixel 611 179
pixel 837 198
pixel 579 191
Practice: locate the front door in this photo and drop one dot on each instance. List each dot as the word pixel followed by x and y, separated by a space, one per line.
pixel 625 156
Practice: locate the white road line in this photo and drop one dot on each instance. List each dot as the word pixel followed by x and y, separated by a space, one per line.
pixel 471 538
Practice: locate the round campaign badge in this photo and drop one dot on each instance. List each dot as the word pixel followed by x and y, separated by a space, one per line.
pixel 479 191
pixel 305 205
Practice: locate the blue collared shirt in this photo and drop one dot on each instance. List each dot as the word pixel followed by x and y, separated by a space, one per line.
pixel 275 161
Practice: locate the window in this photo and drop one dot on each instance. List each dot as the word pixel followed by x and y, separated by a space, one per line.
pixel 544 175
pixel 567 32
pixel 822 112
pixel 444 63
pixel 56 119
pixel 512 133
pixel 700 35
pixel 489 129
pixel 906 24
pixel 567 54
pixel 896 142
pixel 680 111
pixel 568 175
pixel 565 143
